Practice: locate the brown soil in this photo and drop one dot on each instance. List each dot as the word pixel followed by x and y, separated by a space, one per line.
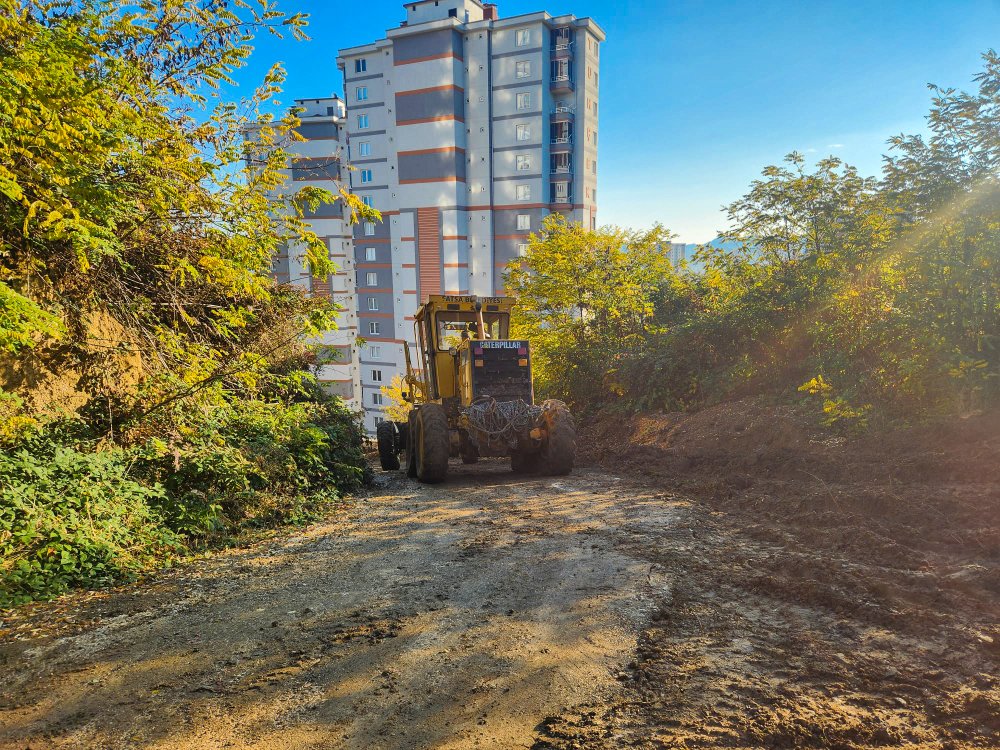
pixel 733 578
pixel 861 607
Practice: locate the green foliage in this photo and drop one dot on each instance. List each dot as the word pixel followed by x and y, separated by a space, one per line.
pixel 585 300
pixel 71 518
pixel 138 223
pixel 883 294
pixel 230 463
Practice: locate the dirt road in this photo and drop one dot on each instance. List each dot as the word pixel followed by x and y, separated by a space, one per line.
pixel 591 611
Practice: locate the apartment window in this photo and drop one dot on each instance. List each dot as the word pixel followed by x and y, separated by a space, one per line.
pixel 522 38
pixel 522 249
pixel 373 304
pixel 378 421
pixel 376 399
pixel 370 254
pixel 376 376
pixel 360 65
pixel 366 175
pixel 524 132
pixel 595 137
pixel 523 222
pixel 374 328
pixel 365 148
pixel 524 192
pixel 596 78
pixel 368 201
pixel 369 229
pixel 522 69
pixel 363 122
pixel 362 93
pixel 375 352
pixel 593 167
pixel 561 192
pixel 523 162
pixel 371 278
pixel 593 223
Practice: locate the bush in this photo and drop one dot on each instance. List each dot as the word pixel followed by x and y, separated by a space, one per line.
pixel 69 518
pixel 253 463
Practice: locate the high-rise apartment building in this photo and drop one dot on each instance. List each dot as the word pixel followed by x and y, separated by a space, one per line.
pixel 464 130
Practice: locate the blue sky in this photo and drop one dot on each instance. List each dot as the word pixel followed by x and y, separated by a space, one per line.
pixel 697 97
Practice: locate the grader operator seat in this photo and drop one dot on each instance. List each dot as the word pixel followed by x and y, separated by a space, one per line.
pixel 473 396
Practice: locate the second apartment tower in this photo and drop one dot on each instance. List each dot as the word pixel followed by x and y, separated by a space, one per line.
pixel 465 131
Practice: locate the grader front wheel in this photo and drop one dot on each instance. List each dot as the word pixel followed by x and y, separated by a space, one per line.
pixel 559 449
pixel 433 444
pixel 385 433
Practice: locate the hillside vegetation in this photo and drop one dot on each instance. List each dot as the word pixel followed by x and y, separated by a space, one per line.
pixel 876 298
pixel 154 395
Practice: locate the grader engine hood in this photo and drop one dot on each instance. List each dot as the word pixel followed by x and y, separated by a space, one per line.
pixel 501 370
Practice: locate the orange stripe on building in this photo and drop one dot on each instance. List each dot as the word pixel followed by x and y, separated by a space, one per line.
pixel 429 251
pixel 452 178
pixel 446 87
pixel 513 236
pixel 456 265
pixel 443 150
pixel 440 118
pixel 407 239
pixel 428 59
pixel 455 237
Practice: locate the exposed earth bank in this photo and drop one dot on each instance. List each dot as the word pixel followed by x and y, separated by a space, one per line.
pixel 730 579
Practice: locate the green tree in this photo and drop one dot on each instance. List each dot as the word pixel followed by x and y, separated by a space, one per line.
pixel 148 358
pixel 585 300
pixel 122 193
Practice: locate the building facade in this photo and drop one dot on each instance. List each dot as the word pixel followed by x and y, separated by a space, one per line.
pixel 465 130
pixel 318 160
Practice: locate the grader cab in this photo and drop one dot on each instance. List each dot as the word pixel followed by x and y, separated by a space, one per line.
pixel 473 396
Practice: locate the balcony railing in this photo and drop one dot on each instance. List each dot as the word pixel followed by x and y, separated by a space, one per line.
pixel 562 82
pixel 561 139
pixel 563 169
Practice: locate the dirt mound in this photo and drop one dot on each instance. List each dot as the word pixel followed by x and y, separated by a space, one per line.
pixel 922 504
pixel 782 441
pixel 891 541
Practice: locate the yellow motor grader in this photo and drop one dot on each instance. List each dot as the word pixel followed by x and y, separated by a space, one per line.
pixel 473 396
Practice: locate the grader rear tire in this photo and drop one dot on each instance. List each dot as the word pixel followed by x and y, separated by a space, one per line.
pixel 559 450
pixel 433 444
pixel 385 433
pixel 524 463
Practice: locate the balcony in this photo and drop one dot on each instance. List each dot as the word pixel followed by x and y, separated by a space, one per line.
pixel 561 166
pixel 563 114
pixel 561 200
pixel 562 83
pixel 562 43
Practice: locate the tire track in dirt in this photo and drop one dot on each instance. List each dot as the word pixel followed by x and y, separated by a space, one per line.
pixel 452 616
